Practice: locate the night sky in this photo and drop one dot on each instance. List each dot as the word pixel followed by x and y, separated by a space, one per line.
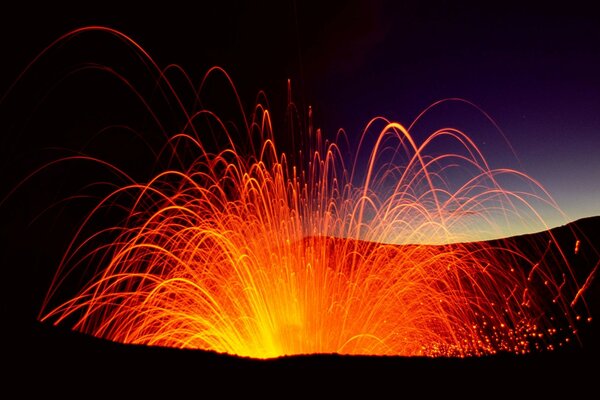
pixel 533 69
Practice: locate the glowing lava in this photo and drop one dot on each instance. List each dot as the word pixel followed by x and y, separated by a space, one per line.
pixel 256 253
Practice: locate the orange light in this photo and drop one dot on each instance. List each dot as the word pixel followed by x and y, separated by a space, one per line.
pixel 246 253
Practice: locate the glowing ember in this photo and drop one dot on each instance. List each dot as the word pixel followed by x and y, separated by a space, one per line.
pixel 256 253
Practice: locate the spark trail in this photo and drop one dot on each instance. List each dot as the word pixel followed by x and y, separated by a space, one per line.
pixel 251 251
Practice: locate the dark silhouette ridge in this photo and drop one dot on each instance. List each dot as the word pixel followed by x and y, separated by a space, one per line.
pixel 55 352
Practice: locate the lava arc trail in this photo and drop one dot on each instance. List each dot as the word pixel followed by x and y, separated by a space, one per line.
pixel 248 250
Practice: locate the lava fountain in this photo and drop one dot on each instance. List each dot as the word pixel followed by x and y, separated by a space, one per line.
pixel 251 251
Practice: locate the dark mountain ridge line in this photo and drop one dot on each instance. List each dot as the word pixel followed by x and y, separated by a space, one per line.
pixel 47 341
pixel 577 227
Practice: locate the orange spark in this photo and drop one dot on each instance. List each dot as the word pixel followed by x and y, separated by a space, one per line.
pixel 250 253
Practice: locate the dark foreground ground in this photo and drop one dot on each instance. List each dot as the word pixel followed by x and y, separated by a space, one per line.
pixel 48 359
pixel 63 362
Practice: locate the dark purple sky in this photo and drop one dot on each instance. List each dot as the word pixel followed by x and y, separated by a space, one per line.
pixel 533 68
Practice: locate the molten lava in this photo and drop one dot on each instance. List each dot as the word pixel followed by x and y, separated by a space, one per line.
pixel 260 253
